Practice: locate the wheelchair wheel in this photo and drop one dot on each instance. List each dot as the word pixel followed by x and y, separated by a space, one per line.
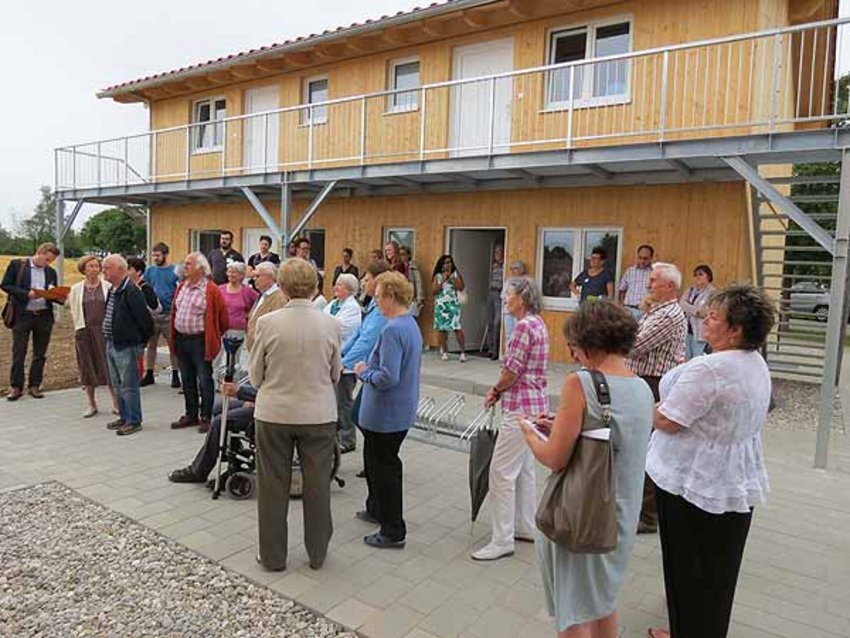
pixel 240 486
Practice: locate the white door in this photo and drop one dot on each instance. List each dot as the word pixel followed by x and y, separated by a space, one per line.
pixel 472 122
pixel 251 240
pixel 261 132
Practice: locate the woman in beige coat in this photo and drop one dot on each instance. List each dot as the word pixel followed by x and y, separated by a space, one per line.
pixel 294 364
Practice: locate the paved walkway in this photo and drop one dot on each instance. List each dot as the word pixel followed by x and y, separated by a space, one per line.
pixel 796 572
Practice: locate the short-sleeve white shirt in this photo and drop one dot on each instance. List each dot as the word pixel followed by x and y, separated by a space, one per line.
pixel 715 461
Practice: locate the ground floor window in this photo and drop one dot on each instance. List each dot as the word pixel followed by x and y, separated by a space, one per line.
pixel 317 246
pixel 204 241
pixel 562 253
pixel 404 236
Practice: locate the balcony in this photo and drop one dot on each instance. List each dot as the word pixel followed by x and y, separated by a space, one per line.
pixel 765 83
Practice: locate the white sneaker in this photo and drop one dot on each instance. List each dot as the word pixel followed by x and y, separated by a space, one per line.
pixel 463 358
pixel 492 552
pixel 444 356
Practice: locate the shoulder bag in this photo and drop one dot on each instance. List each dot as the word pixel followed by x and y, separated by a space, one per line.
pixel 578 507
pixel 9 308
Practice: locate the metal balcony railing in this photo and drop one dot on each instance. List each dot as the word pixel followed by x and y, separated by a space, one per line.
pixel 770 81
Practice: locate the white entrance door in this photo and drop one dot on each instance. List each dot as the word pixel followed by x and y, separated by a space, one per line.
pixel 251 240
pixel 261 132
pixel 472 120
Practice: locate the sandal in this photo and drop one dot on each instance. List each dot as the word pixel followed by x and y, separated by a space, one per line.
pixel 657 632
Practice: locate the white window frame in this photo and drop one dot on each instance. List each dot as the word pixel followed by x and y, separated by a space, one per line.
pixel 586 99
pixel 305 100
pixel 388 231
pixel 213 123
pixel 392 105
pixel 571 303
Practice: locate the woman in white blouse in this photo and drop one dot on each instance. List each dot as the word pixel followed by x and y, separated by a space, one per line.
pixel 344 307
pixel 705 457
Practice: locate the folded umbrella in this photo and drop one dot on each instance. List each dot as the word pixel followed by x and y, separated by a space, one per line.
pixel 481 446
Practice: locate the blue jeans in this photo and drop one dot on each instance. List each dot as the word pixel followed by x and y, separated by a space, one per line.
pixel 693 347
pixel 124 377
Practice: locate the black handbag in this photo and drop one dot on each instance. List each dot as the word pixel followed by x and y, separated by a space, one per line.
pixel 578 509
pixel 9 307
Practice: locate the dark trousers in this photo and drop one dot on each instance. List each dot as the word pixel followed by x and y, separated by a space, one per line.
pixel 648 508
pixel 39 325
pixel 346 431
pixel 196 372
pixel 701 555
pixel 494 320
pixel 383 478
pixel 237 418
pixel 275 445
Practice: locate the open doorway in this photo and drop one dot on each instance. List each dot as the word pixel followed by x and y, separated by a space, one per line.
pixel 472 250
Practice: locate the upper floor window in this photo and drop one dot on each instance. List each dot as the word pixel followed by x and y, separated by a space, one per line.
pixel 592 83
pixel 315 92
pixel 208 115
pixel 404 81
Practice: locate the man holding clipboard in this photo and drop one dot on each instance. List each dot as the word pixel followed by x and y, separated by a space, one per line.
pixel 32 288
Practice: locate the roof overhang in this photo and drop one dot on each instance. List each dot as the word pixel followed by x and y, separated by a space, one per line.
pixel 129 91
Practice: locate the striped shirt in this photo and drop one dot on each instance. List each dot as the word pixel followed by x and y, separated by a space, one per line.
pixel 190 308
pixel 526 356
pixel 634 283
pixel 660 344
pixel 110 309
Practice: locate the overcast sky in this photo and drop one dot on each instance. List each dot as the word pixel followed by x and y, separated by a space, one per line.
pixel 56 54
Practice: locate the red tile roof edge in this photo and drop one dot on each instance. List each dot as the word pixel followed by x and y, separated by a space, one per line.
pixel 294 43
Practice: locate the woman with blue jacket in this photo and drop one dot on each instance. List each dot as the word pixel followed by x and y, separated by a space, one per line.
pixel 388 408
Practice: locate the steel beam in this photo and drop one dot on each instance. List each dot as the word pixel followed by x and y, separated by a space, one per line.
pixel 71 219
pixel 768 190
pixel 285 216
pixel 261 211
pixel 838 291
pixel 313 207
pixel 60 240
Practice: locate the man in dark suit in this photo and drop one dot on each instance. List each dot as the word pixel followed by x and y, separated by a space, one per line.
pixel 33 316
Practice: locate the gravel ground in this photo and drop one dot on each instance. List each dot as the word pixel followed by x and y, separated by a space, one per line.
pixel 798 407
pixel 73 568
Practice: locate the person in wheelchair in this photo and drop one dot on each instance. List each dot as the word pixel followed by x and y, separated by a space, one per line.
pixel 240 417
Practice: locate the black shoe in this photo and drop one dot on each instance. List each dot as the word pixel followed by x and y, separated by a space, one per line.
pixel 147 379
pixel 270 569
pixel 114 425
pixel 383 542
pixel 185 475
pixel 128 428
pixel 175 379
pixel 366 517
pixel 361 474
pixel 345 449
pixel 35 392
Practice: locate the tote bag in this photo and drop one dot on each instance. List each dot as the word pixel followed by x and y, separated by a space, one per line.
pixel 578 507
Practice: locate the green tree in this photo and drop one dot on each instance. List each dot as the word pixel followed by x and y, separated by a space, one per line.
pixel 41 226
pixel 114 230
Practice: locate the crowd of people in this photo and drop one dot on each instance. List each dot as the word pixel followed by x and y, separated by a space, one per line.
pixel 689 397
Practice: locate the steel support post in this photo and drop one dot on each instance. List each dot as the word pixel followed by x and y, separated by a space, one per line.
pixel 285 216
pixel 262 211
pixel 60 239
pixel 838 290
pixel 312 208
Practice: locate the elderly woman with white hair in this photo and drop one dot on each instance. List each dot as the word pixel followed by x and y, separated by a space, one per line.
pixel 346 310
pixel 199 318
pixel 522 390
pixel 239 299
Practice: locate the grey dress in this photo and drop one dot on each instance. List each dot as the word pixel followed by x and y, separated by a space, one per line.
pixel 583 587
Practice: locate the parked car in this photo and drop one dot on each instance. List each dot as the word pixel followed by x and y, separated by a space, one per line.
pixel 810 297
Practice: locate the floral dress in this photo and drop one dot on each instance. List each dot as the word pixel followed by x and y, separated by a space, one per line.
pixel 446 305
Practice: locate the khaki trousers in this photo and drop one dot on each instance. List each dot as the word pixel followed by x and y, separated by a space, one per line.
pixel 275 445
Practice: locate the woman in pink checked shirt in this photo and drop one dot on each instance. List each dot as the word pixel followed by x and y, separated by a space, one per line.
pixel 522 390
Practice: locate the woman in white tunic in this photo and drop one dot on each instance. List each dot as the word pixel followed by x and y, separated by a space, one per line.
pixel 706 460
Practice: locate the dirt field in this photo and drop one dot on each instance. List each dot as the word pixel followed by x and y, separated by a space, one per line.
pixel 61 369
